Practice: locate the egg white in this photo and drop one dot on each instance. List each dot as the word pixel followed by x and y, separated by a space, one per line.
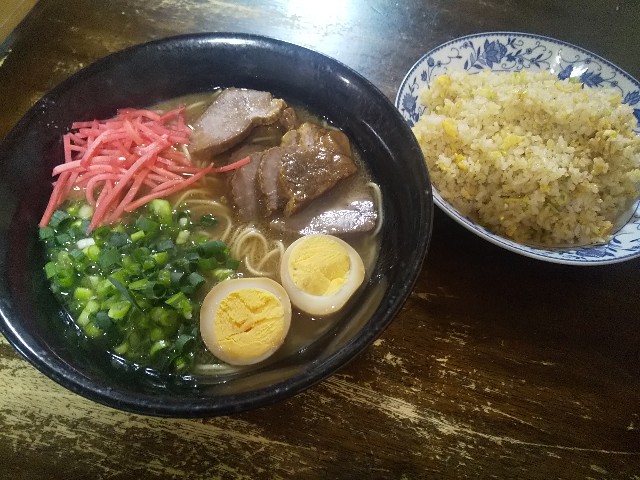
pixel 321 305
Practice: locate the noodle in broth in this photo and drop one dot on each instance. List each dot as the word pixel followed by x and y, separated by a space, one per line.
pixel 260 255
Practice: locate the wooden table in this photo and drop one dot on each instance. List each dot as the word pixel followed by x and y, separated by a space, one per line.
pixel 498 366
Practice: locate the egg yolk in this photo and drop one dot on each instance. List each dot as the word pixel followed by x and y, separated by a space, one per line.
pixel 319 266
pixel 248 323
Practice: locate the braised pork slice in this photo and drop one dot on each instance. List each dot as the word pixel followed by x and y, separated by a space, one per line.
pixel 232 116
pixel 321 159
pixel 337 218
pixel 244 183
pixel 269 178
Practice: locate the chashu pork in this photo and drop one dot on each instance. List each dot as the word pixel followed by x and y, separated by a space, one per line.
pixel 244 183
pixel 355 213
pixel 231 118
pixel 321 159
pixel 282 181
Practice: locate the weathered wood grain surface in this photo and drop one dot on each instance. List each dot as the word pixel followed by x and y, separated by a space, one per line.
pixel 498 366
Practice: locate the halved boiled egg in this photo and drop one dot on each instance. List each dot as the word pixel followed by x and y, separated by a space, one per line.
pixel 245 320
pixel 320 273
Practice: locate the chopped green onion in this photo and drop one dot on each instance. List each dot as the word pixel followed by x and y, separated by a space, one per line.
pixel 182 237
pixel 184 342
pixel 196 280
pixel 181 303
pixel 50 270
pixel 155 290
pixel 84 243
pixel 156 334
pixel 208 220
pixel 91 330
pixel 118 239
pixel 85 212
pixel 125 293
pixel 221 274
pixel 146 225
pixel 65 277
pixel 137 236
pixel 73 209
pixel 180 363
pixel 105 288
pixel 139 284
pixel 183 219
pixel 119 310
pixel 77 254
pixel 90 308
pixel 103 320
pixel 157 346
pixel 46 232
pixel 165 245
pixel 162 209
pixel 93 252
pixel 82 293
pixel 121 349
pixel 63 238
pixel 131 285
pixel 164 316
pixel 208 263
pixel 100 235
pixel 232 263
pixel 212 247
pixel 131 266
pixel 160 258
pixel 164 277
pixel 108 257
pixel 58 217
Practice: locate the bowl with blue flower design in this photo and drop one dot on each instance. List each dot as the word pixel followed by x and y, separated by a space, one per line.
pixel 517 52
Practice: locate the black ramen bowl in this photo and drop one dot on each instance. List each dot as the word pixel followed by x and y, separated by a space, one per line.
pixel 140 76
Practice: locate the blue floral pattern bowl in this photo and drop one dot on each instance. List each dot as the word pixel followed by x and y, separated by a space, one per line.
pixel 513 52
